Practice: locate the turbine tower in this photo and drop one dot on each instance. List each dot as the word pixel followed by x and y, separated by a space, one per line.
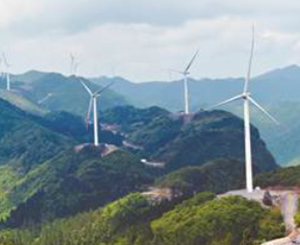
pixel 76 64
pixel 93 106
pixel 6 73
pixel 185 74
pixel 246 96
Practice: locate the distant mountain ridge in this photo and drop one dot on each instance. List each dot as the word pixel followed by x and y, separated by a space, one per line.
pixel 56 92
pixel 280 85
pixel 275 86
pixel 272 87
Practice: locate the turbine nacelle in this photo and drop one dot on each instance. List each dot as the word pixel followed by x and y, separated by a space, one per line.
pixel 186 73
pixel 246 95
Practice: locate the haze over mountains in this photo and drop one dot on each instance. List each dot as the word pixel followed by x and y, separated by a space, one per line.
pixel 272 87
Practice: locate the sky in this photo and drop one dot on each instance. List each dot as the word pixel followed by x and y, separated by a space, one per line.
pixel 143 40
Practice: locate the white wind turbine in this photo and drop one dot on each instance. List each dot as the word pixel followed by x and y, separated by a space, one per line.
pixel 246 96
pixel 93 105
pixel 6 73
pixel 185 74
pixel 73 65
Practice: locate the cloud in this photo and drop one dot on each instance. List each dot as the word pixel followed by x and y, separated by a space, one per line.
pixel 143 39
pixel 78 15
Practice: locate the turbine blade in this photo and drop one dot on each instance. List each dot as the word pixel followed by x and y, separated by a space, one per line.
pixel 45 98
pixel 263 110
pixel 246 86
pixel 191 62
pixel 89 113
pixel 226 102
pixel 100 91
pixel 86 88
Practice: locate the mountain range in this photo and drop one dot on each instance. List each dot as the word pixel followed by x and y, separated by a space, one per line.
pixel 49 170
pixel 276 90
pixel 147 183
pixel 39 92
pixel 273 87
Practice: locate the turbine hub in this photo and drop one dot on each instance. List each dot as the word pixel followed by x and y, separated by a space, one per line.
pixel 246 95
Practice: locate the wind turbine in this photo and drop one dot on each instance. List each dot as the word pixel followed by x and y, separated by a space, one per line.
pixel 73 65
pixel 246 96
pixel 185 74
pixel 93 105
pixel 7 71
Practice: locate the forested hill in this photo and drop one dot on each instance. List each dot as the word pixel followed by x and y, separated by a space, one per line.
pixel 178 141
pixel 56 92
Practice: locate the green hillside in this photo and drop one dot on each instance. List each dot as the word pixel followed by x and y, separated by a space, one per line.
pixel 55 92
pixel 134 220
pixel 69 95
pixel 284 177
pixel 179 142
pixel 217 176
pixel 44 174
pixel 53 184
pixel 24 142
pixel 69 183
pixel 28 77
pixel 22 102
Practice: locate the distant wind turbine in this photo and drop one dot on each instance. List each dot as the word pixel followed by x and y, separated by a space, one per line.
pixel 93 105
pixel 6 73
pixel 185 74
pixel 246 96
pixel 73 65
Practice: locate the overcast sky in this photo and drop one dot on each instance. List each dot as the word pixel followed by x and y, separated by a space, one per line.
pixel 141 40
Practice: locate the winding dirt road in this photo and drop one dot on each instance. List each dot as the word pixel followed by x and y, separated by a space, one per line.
pixel 288 209
pixel 289 205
